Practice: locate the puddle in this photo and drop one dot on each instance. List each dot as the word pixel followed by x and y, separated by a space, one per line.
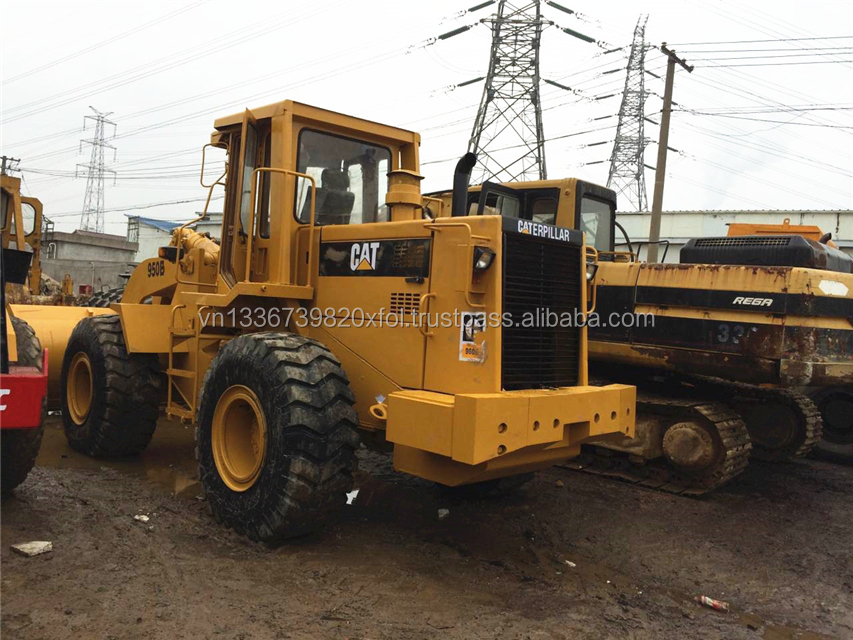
pixel 169 461
pixel 777 632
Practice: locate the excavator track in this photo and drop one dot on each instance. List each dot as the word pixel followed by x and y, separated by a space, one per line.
pixel 783 424
pixel 732 448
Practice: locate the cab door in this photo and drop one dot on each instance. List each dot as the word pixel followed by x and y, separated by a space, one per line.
pixel 238 205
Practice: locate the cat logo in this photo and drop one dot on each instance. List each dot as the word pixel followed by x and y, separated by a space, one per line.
pixel 362 256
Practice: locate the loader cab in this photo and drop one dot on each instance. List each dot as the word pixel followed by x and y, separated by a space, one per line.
pixel 570 203
pixel 293 170
pixel 20 226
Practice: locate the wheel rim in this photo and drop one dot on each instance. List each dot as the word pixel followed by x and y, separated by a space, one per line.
pixel 80 388
pixel 774 427
pixel 239 437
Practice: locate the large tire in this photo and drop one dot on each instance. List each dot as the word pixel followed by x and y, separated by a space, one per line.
pixel 294 408
pixel 103 299
pixel 19 447
pixel 110 398
pixel 29 347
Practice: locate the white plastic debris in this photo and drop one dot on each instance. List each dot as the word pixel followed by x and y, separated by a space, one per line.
pixel 571 564
pixel 443 513
pixel 351 496
pixel 34 548
pixel 141 518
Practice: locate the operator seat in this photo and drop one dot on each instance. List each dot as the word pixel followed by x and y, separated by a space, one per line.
pixel 334 201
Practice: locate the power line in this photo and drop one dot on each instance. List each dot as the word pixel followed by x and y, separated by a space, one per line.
pixel 149 205
pixel 788 49
pixel 166 63
pixel 775 64
pixel 684 44
pixel 779 55
pixel 103 43
pixel 801 124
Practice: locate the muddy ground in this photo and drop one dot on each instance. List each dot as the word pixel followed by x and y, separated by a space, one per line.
pixel 777 544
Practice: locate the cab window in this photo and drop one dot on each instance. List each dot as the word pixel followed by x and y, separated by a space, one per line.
pixel 250 163
pixel 351 178
pixel 497 204
pixel 4 203
pixel 544 210
pixel 264 191
pixel 28 217
pixel 596 222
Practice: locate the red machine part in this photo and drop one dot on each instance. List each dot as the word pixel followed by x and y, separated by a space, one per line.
pixel 22 393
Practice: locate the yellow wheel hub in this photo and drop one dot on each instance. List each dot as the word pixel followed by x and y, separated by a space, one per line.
pixel 80 388
pixel 239 437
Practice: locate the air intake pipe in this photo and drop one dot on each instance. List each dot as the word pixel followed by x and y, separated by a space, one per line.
pixel 189 240
pixel 461 178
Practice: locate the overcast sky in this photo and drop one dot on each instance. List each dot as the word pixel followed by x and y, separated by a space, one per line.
pixel 776 134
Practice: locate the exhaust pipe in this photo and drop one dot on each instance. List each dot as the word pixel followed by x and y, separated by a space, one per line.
pixel 461 178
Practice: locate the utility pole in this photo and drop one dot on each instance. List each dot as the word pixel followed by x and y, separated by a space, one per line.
pixel 8 164
pixel 92 218
pixel 660 170
pixel 507 136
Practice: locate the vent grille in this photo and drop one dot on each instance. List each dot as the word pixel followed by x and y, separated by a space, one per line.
pixel 404 302
pixel 408 255
pixel 744 241
pixel 540 276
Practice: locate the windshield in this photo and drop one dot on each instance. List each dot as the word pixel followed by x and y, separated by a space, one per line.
pixel 597 222
pixel 351 178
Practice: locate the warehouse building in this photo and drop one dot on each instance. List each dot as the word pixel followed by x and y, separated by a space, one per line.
pixel 90 258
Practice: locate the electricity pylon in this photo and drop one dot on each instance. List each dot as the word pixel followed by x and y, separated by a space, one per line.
pixel 92 218
pixel 627 167
pixel 507 136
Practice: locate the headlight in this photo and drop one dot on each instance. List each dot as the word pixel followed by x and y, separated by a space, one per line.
pixel 483 258
pixel 591 268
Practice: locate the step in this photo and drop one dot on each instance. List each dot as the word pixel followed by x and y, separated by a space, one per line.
pixel 181 373
pixel 175 410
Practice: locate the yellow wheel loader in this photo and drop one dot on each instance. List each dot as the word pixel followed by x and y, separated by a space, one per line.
pixel 23 363
pixel 337 310
pixel 721 346
pixel 21 238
